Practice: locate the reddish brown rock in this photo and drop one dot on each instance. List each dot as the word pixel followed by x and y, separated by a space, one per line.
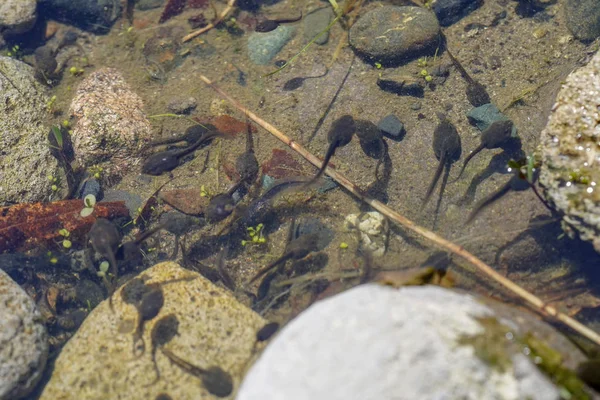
pixel 187 201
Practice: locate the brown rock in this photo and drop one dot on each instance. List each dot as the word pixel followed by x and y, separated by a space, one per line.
pixel 187 201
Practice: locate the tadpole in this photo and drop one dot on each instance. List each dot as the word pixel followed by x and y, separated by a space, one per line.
pixel 216 380
pixel 190 136
pixel 339 135
pixel 446 146
pixel 105 240
pixel 298 81
pixel 493 137
pixel 476 92
pixel 267 331
pixel 268 25
pixel 166 161
pixel 163 331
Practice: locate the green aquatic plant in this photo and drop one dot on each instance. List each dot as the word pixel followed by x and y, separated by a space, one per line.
pixel 256 235
pixel 89 202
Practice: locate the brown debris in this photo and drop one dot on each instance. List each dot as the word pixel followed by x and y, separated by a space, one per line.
pixel 173 8
pixel 228 125
pixel 197 3
pixel 281 165
pixel 26 226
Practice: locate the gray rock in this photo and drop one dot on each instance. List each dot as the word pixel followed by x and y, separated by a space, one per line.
pixel 92 15
pixel 182 106
pixel 315 23
pixel 391 126
pixel 391 35
pixel 26 161
pixel 23 341
pixel 583 18
pixel 571 156
pixel 450 11
pixel 98 362
pixel 91 186
pixel 263 46
pixel 149 4
pixel 376 342
pixel 111 126
pixel 17 16
pixel 485 115
pixel 132 201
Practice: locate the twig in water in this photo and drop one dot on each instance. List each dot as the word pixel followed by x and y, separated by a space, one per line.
pixel 208 27
pixel 530 298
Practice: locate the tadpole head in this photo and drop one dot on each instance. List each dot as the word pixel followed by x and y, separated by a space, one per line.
pixel 219 207
pixel 341 130
pixel 164 330
pixel 267 331
pixel 151 303
pixel 217 381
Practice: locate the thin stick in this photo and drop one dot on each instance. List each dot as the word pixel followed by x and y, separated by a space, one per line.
pixel 208 27
pixel 405 222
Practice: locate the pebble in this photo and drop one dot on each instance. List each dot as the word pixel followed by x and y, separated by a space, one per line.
pixel 401 84
pixel 391 35
pixel 24 170
pixel 23 341
pixel 485 115
pixel 315 22
pixel 213 329
pixel 416 342
pixel 91 186
pixel 17 16
pixel 182 105
pixel 187 201
pixel 583 18
pixel 391 126
pixel 264 46
pixel 450 11
pixel 371 227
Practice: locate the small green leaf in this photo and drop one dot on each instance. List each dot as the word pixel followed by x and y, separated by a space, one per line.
pixel 89 201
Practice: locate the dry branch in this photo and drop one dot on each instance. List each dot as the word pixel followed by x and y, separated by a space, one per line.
pixel 530 298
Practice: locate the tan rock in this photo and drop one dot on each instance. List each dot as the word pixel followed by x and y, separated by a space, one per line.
pixel 214 329
pixel 112 126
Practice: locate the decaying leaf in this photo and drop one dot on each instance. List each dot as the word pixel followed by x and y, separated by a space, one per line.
pixel 26 226
pixel 282 164
pixel 414 277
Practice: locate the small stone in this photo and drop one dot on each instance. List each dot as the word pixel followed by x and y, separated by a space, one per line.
pixel 182 106
pixel 401 84
pixel 315 23
pixel 23 341
pixel 267 181
pixel 485 115
pixel 91 186
pixel 583 18
pixel 371 227
pixel 540 33
pixel 416 106
pixel 450 11
pixel 391 35
pixel 264 46
pixel 391 126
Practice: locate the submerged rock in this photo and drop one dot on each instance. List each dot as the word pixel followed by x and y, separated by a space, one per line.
pixel 391 35
pixel 583 18
pixel 570 147
pixel 92 15
pixel 391 126
pixel 23 341
pixel 112 126
pixel 213 329
pixel 450 11
pixel 17 16
pixel 376 342
pixel 315 22
pixel 264 46
pixel 25 157
pixel 483 116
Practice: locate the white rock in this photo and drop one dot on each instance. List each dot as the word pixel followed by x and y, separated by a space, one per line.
pixel 23 341
pixel 379 343
pixel 17 16
pixel 371 227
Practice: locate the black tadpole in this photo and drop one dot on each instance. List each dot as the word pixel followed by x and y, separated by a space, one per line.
pixel 493 137
pixel 476 92
pixel 446 146
pixel 105 240
pixel 166 161
pixel 339 135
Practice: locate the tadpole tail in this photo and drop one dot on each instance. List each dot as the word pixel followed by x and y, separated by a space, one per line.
pixel 473 153
pixel 384 154
pixel 436 177
pixel 269 267
pixel 439 202
pixel 330 152
pixel 487 201
pixel 460 68
pixel 205 138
